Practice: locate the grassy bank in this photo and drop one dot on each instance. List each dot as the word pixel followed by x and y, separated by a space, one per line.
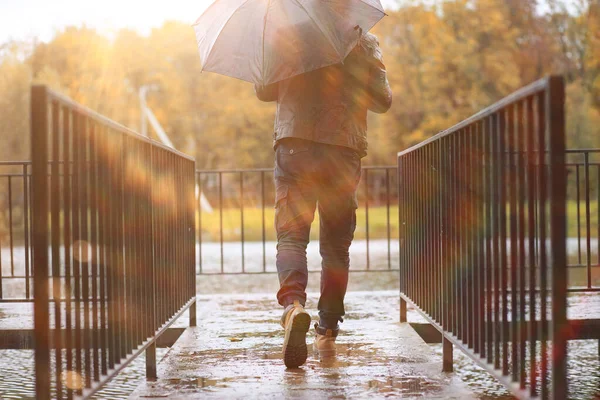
pixel 378 226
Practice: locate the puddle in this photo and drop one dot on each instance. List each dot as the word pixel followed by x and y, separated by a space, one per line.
pixel 409 385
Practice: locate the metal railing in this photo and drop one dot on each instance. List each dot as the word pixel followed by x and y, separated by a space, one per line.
pixel 483 238
pixel 15 232
pixel 113 245
pixel 236 235
pixel 583 217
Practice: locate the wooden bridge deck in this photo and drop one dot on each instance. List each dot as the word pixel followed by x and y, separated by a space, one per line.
pixel 235 353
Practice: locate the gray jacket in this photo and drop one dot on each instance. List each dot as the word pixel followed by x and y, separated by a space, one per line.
pixel 330 105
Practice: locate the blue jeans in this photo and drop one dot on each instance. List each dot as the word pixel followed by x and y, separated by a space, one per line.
pixel 307 175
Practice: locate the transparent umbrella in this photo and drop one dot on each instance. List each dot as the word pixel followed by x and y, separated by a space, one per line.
pixel 266 41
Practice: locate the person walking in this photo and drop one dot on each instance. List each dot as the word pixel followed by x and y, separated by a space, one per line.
pixel 320 137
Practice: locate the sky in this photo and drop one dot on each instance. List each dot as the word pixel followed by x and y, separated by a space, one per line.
pixel 22 19
pixel 25 19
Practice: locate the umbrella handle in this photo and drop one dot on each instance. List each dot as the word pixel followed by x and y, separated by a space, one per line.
pixel 359 29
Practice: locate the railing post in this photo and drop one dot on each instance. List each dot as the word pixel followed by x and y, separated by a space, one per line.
pixel 151 362
pixel 403 310
pixel 193 319
pixel 447 355
pixel 39 155
pixel 555 103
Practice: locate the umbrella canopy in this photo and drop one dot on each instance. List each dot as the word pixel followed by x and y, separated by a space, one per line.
pixel 266 41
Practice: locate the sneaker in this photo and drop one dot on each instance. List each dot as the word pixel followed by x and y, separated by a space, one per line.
pixel 325 341
pixel 296 322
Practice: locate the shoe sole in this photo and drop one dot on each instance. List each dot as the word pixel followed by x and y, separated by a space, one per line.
pixel 295 350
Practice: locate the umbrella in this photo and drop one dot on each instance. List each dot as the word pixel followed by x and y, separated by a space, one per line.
pixel 266 41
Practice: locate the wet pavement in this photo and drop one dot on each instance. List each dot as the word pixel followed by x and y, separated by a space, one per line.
pixel 235 352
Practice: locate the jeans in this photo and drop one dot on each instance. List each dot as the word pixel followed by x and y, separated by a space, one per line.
pixel 310 174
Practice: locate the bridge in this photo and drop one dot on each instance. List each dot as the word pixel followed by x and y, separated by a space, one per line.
pixel 489 229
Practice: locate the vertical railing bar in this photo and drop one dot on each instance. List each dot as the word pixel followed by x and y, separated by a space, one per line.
pixel 462 185
pixel 511 154
pixel 422 277
pixel 488 270
pixel 437 227
pixel 424 230
pixel 470 285
pixel 124 261
pixel 401 249
pixel 456 239
pixel 141 261
pixel 169 278
pixel 557 184
pixel 242 219
pixel 178 234
pixel 431 237
pixel 406 183
pixel 367 217
pixel 159 230
pixel 479 339
pixel 175 224
pixel 430 218
pixel 112 256
pixel 10 227
pixel 26 234
pixel 588 229
pixel 472 273
pixel 525 121
pixel 496 202
pixel 451 238
pixel 436 235
pixel 413 288
pixel 192 222
pixel 152 291
pixel 417 239
pixel 85 247
pixel 200 187
pixel 77 168
pixel 542 196
pixel 578 204
pixel 55 243
pixel 39 148
pixel 181 233
pixel 472 325
pixel 147 251
pixel 94 248
pixel 387 204
pixel 135 212
pixel 441 234
pixel 102 241
pixel 503 266
pixel 221 218
pixel 533 127
pixel 68 235
pixel 264 239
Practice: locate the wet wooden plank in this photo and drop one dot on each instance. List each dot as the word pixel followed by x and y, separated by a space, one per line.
pixel 235 352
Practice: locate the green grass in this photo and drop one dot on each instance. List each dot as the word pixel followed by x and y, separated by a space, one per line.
pixel 377 223
pixel 378 218
pixel 253 224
